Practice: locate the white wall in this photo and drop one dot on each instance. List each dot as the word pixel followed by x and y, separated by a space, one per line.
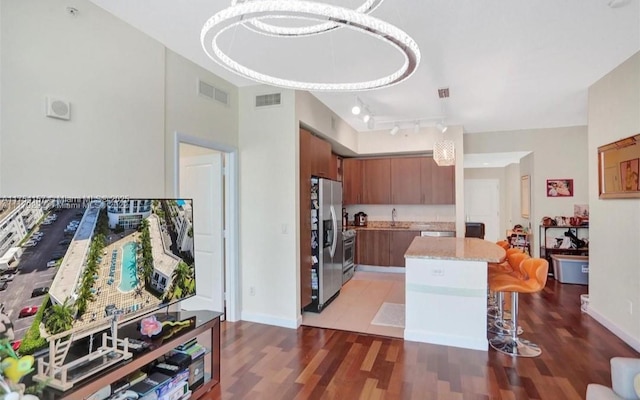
pixel 269 145
pixel 195 115
pixel 614 254
pixel 112 74
pixel 557 153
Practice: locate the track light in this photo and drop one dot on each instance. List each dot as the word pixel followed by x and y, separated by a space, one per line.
pixel 441 127
pixel 416 127
pixel 356 108
pixel 366 117
pixel 371 123
pixel 394 130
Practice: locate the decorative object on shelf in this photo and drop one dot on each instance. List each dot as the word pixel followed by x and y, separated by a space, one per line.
pixel 559 187
pixel 246 12
pixel 582 211
pixel 525 196
pixel 150 326
pixel 619 168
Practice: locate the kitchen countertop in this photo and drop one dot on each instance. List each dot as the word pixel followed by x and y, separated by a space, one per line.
pixel 407 225
pixel 447 248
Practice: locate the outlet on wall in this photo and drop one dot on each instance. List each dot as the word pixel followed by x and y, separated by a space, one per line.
pixel 252 290
pixel 630 303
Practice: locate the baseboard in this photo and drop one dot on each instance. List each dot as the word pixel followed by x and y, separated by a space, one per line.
pixel 271 320
pixel 375 268
pixel 446 340
pixel 615 329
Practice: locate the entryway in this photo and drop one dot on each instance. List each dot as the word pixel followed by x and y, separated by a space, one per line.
pixel 206 173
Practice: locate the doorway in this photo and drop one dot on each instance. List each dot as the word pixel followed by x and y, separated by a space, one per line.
pixel 206 173
pixel 482 204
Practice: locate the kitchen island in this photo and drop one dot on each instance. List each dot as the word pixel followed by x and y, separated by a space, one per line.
pixel 446 290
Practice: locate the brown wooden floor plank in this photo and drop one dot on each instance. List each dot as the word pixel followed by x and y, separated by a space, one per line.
pixel 267 362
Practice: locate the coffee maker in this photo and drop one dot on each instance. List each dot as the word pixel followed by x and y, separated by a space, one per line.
pixel 360 219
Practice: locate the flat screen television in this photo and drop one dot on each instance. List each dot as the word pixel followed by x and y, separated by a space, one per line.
pixel 72 263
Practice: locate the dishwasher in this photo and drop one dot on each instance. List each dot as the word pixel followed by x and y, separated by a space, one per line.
pixel 438 233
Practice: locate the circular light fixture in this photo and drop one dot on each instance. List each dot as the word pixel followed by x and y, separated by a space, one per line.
pixel 355 110
pixel 257 25
pixel 241 13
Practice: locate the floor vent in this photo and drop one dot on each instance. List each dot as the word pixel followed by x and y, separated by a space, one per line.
pixel 265 100
pixel 207 90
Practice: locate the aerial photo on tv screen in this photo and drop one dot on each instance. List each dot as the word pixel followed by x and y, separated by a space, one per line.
pixel 74 263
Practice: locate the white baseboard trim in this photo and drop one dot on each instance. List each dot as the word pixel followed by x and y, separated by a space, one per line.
pixel 615 329
pixel 375 268
pixel 446 340
pixel 271 320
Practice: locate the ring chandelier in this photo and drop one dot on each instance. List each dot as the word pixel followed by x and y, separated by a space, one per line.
pixel 253 10
pixel 264 28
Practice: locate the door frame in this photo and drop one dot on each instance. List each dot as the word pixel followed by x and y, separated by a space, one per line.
pixel 231 269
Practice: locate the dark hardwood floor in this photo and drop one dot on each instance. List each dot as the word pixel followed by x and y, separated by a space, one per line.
pixel 266 362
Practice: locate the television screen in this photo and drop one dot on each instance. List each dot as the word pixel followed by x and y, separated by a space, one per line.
pixel 71 263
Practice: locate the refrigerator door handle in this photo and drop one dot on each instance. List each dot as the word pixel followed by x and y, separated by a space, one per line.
pixel 334 222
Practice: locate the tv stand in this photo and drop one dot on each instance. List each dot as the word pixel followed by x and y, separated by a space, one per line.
pixel 204 324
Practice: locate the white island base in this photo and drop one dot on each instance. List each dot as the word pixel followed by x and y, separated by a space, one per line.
pixel 446 291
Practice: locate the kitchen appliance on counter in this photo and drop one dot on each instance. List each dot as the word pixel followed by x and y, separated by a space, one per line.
pixel 348 251
pixel 360 219
pixel 326 242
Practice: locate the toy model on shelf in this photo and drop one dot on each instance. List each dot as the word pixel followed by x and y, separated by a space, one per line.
pixel 53 371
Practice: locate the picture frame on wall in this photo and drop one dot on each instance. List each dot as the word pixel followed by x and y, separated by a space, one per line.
pixel 559 187
pixel 525 196
pixel 629 174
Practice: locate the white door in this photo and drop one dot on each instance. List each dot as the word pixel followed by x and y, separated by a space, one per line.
pixel 201 179
pixel 482 204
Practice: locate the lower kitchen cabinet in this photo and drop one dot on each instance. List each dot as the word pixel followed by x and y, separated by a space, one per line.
pixel 373 247
pixel 400 241
pixel 383 248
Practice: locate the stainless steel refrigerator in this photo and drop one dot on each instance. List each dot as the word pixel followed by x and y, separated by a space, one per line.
pixel 326 242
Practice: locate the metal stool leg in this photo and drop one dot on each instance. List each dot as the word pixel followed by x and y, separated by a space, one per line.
pixel 512 344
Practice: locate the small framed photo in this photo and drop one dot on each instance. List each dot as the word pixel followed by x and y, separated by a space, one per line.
pixel 629 175
pixel 559 187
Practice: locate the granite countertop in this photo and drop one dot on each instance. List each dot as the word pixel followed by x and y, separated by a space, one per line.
pixel 407 225
pixel 445 248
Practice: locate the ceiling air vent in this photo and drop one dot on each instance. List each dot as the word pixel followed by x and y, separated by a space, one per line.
pixel 207 90
pixel 265 100
pixel 443 93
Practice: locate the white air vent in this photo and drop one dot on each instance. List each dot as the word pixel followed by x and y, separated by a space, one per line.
pixel 265 100
pixel 58 108
pixel 207 90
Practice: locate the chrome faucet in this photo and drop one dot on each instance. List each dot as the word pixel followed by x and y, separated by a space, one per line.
pixel 394 215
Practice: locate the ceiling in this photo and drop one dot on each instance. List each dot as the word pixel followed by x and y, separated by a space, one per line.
pixel 510 64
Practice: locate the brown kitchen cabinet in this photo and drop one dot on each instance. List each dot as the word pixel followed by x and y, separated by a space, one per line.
pixel 405 181
pixel 399 243
pixel 335 167
pixel 373 247
pixel 438 183
pixel 321 160
pixel 376 181
pixel 305 217
pixel 351 181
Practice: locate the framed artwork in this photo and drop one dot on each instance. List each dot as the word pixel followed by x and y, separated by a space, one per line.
pixel 618 169
pixel 629 175
pixel 525 196
pixel 559 187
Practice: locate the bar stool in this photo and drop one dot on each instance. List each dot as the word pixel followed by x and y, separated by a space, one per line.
pixel 535 278
pixel 499 324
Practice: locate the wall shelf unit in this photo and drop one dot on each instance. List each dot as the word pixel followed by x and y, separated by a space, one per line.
pixel 552 236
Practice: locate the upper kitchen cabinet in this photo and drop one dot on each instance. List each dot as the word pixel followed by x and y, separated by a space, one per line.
pixel 319 154
pixel 405 181
pixel 351 181
pixel 442 182
pixel 376 181
pixel 335 169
